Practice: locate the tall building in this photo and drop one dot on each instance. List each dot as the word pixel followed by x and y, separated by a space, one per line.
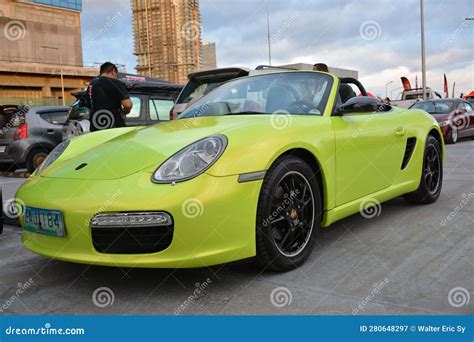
pixel 208 56
pixel 39 40
pixel 167 38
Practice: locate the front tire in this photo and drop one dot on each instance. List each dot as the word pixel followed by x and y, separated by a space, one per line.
pixel 288 215
pixel 431 175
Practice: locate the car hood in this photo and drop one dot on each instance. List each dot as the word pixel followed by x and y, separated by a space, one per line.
pixel 114 156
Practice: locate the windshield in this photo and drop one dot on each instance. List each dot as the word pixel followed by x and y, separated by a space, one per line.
pixel 434 107
pixel 289 92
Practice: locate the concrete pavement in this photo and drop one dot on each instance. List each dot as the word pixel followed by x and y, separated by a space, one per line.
pixel 403 262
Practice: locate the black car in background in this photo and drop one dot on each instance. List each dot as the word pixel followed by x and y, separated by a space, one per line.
pixel 27 135
pixel 152 101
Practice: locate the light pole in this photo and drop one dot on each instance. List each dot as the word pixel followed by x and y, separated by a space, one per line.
pixel 386 88
pixel 423 55
pixel 268 38
pixel 60 70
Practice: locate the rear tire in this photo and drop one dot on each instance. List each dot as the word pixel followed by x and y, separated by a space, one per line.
pixel 35 158
pixel 431 175
pixel 288 215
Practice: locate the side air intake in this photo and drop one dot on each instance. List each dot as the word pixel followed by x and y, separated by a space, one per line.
pixel 411 143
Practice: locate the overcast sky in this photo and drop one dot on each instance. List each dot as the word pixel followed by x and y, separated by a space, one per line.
pixel 380 39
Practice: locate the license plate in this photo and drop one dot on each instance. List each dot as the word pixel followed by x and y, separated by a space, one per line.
pixel 43 221
pixel 2 149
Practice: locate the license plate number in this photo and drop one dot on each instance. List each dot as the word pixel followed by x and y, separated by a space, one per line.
pixel 43 221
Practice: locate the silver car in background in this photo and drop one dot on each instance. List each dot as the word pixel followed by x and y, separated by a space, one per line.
pixel 27 135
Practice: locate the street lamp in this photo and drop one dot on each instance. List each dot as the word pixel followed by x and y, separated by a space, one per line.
pixel 423 54
pixel 386 88
pixel 60 68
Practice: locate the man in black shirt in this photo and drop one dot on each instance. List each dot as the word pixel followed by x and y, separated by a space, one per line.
pixel 108 99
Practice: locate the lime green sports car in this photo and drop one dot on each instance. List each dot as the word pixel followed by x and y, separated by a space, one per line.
pixel 253 169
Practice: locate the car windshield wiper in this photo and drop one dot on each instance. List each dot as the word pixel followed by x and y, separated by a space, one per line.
pixel 247 112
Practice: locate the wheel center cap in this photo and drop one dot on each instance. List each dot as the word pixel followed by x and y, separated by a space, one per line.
pixel 293 214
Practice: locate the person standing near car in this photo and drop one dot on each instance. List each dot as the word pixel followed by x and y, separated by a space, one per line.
pixel 108 99
pixel 320 67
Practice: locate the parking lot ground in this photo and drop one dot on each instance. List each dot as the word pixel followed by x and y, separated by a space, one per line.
pixel 402 262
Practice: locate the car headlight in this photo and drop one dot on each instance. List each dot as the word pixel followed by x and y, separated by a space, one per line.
pixel 191 161
pixel 58 150
pixel 444 123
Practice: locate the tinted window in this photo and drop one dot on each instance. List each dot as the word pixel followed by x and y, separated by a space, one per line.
pixel 136 109
pixel 160 109
pixel 443 107
pixel 195 90
pixel 426 106
pixel 59 117
pixel 468 106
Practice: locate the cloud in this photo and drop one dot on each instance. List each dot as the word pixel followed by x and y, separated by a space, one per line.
pixel 317 31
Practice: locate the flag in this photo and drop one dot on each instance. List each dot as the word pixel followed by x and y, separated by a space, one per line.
pixel 446 91
pixel 405 83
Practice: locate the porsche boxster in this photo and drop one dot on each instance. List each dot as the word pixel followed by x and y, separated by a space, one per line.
pixel 253 169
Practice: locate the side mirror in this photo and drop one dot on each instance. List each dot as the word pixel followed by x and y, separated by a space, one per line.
pixel 359 104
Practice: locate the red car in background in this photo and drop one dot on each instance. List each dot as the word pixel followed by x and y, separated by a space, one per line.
pixel 455 116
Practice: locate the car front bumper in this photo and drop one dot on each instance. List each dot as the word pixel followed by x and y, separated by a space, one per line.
pixel 214 218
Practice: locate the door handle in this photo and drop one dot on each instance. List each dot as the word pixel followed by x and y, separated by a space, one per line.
pixel 400 132
pixel 50 131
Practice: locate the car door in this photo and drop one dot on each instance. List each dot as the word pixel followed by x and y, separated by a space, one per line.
pixel 369 152
pixel 462 120
pixel 470 116
pixel 49 125
pixel 137 116
pixel 159 108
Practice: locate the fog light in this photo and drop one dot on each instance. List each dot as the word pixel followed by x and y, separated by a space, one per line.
pixel 138 219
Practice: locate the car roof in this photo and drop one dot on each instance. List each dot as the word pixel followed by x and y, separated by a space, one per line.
pixel 38 109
